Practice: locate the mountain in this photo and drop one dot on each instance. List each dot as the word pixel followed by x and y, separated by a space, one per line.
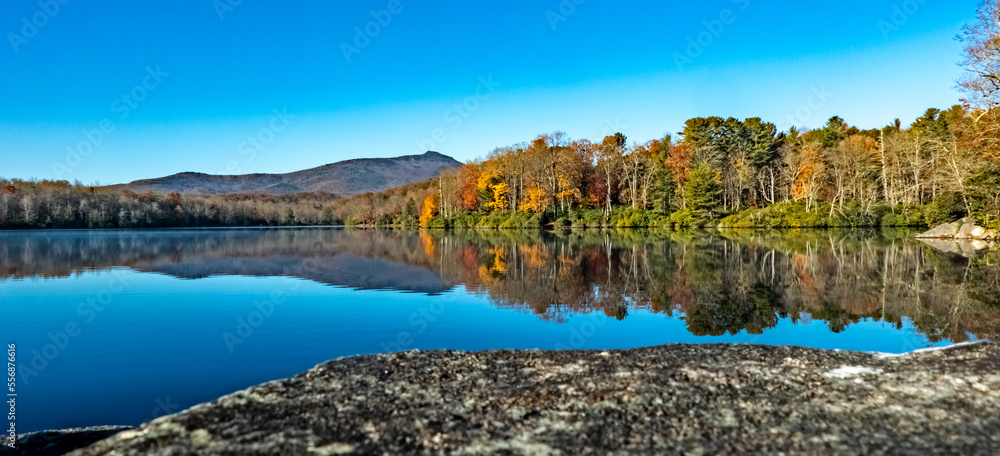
pixel 346 178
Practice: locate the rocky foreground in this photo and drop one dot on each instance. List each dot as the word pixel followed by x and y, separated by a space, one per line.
pixel 674 399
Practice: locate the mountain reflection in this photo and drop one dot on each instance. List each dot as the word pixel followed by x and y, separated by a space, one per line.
pixel 355 259
pixel 718 282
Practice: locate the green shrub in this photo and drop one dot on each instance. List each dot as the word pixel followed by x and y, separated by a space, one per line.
pixel 592 218
pixel 629 218
pixel 907 217
pixel 535 221
pixel 947 208
pixel 438 222
pixel 493 220
pixel 689 218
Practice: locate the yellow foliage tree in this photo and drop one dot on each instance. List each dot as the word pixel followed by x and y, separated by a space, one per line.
pixel 429 210
pixel 499 201
pixel 491 180
pixel 535 200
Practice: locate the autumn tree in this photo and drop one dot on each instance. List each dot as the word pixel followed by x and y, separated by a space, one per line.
pixel 492 185
pixel 509 164
pixel 852 168
pixel 806 171
pixel 679 160
pixel 429 210
pixel 590 179
pixel 467 192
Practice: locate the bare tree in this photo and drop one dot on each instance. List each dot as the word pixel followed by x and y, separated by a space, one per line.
pixel 982 57
pixel 28 208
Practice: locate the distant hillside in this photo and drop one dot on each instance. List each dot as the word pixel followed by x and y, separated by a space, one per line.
pixel 346 178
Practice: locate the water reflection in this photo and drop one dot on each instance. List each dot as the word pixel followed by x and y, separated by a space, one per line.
pixel 719 282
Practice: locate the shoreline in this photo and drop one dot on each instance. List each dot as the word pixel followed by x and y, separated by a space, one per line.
pixel 673 398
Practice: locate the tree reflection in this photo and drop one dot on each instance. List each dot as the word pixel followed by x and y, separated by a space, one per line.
pixel 725 283
pixel 719 282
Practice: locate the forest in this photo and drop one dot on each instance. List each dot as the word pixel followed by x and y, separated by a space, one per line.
pixel 716 171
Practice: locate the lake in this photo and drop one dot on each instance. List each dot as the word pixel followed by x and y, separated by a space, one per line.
pixel 120 327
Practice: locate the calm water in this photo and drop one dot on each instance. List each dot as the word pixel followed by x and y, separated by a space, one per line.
pixel 119 327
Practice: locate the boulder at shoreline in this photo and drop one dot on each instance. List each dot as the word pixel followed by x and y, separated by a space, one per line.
pixel 943 231
pixel 965 229
pixel 673 399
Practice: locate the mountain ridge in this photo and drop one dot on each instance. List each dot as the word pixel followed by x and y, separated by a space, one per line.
pixel 344 178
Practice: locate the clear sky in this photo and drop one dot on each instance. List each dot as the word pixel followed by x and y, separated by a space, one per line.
pixel 180 85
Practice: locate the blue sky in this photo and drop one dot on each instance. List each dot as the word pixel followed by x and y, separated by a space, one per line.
pixel 267 86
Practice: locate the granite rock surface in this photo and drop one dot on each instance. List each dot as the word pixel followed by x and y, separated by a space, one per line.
pixel 673 399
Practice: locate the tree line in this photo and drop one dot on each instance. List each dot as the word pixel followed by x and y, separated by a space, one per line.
pixel 943 166
pixel 60 204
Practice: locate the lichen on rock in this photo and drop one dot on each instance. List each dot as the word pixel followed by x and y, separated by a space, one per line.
pixel 674 399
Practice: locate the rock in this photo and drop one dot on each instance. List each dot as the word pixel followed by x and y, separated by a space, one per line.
pixel 674 399
pixel 970 231
pixel 945 231
pixel 62 441
pixel 988 235
pixel 962 229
